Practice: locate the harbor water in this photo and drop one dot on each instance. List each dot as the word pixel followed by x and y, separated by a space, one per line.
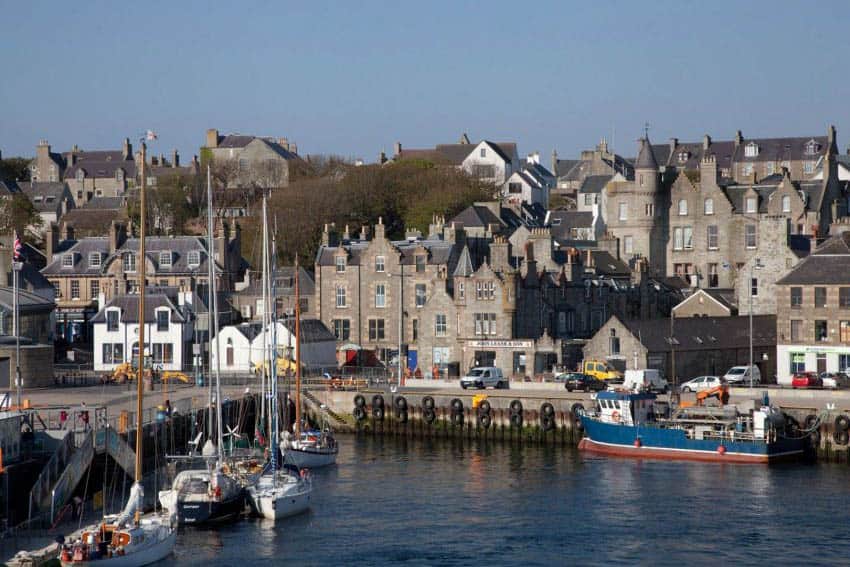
pixel 450 502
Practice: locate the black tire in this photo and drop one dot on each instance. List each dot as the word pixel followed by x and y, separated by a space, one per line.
pixel 457 406
pixel 576 410
pixel 547 422
pixel 791 424
pixel 516 406
pixel 462 386
pixel 457 419
pixel 378 401
pixel 359 401
pixel 400 403
pixel 428 402
pixel 516 419
pixel 810 420
pixel 842 422
pixel 547 409
pixel 814 439
pixel 378 413
pixel 402 416
pixel 359 413
pixel 484 420
pixel 568 387
pixel 429 415
pixel 687 389
pixel 840 437
pixel 484 407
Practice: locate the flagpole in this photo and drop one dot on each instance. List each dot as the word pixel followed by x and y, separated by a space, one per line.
pixel 16 268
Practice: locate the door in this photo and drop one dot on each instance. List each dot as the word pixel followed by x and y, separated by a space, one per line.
pixel 485 358
pixel 821 363
pixel 6 371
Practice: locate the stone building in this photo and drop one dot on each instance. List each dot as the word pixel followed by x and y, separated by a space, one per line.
pixel 813 312
pixel 249 300
pixel 491 162
pixel 263 160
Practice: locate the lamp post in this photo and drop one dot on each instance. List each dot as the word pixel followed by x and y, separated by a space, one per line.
pixel 757 265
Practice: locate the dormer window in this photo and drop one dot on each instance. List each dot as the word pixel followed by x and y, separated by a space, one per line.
pixel 750 205
pixel 165 259
pixel 129 262
pixel 786 204
pixel 420 263
pixel 708 206
pixel 684 156
pixel 812 147
pixel 119 174
pixel 194 259
pixel 81 175
pixel 68 260
pixel 751 150
pixel 112 317
pixel 94 259
pixel 340 264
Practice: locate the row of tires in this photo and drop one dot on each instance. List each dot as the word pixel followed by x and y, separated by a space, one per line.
pixel 810 427
pixel 484 413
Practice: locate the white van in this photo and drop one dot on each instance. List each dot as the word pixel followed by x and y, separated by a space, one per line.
pixel 648 379
pixel 740 375
pixel 484 376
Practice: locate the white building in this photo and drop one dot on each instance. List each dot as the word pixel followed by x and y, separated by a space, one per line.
pixel 168 332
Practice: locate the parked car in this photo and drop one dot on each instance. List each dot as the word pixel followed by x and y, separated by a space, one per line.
pixel 835 380
pixel 648 379
pixel 484 376
pixel 740 375
pixel 581 381
pixel 701 383
pixel 806 380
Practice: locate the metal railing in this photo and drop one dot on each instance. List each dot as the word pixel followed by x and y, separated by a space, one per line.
pixel 51 471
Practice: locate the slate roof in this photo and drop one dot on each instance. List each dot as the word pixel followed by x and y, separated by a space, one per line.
pixel 704 333
pixel 477 216
pixel 101 163
pixel 779 149
pixel 92 221
pixel 312 330
pixel 27 302
pixel 235 141
pixel 606 264
pixel 284 283
pixel 439 252
pixel 106 203
pixel 566 165
pixel 725 296
pixel 828 264
pixel 454 154
pixel 812 189
pixel 563 223
pixel 129 305
pixel 646 159
pixel 595 183
pixel 9 188
pixel 464 264
pixel 249 330
pixel 45 196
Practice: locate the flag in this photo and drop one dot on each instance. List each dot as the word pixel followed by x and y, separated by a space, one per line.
pixel 17 249
pixel 150 135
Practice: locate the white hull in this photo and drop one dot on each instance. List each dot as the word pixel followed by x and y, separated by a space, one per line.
pixel 310 458
pixel 157 546
pixel 286 497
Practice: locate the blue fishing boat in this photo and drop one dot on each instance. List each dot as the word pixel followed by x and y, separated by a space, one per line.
pixel 633 424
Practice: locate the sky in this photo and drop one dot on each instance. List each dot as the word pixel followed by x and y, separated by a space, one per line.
pixel 352 78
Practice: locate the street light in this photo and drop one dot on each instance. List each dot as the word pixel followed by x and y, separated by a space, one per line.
pixel 757 265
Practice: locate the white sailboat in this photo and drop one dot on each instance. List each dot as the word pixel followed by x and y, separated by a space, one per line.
pixel 128 539
pixel 207 495
pixel 312 448
pixel 277 493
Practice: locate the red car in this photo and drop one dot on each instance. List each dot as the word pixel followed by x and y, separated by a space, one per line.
pixel 806 380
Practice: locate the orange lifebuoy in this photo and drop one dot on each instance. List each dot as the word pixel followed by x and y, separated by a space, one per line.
pixel 615 416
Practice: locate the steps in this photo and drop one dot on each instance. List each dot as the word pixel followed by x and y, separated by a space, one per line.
pixel 316 404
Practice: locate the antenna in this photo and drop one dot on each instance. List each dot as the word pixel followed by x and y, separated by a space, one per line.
pixel 646 130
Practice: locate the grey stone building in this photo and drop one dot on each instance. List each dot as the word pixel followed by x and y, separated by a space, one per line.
pixel 262 160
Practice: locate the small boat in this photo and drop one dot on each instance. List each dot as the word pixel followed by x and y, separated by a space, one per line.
pixel 627 423
pixel 314 449
pixel 280 494
pixel 203 497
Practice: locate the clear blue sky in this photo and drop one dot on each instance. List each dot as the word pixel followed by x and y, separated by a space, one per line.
pixel 351 78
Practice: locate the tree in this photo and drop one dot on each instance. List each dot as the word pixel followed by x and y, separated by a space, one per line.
pixel 14 169
pixel 18 214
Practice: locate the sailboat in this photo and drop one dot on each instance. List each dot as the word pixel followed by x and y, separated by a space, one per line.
pixel 209 494
pixel 277 493
pixel 308 448
pixel 128 539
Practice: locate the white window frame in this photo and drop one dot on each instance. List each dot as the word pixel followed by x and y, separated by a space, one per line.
pixel 750 205
pixel 687 238
pixel 712 237
pixel 340 263
pixel 340 296
pixel 380 264
pixel 380 296
pixel 68 260
pixel 750 230
pixel 165 258
pixel 708 206
pixel 128 262
pixel 194 258
pixel 622 212
pixel 440 325
pixel 683 207
pixel 786 204
pixel 94 259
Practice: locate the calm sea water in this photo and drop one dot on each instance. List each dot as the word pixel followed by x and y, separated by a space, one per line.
pixel 455 503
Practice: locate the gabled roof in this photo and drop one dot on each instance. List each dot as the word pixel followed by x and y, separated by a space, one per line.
pixel 606 264
pixel 101 164
pixel 9 188
pixel 27 302
pixel 312 330
pixel 477 216
pixel 701 295
pixel 129 306
pixel 703 333
pixel 595 183
pixel 464 267
pixel 106 203
pixel 828 264
pixel 249 330
pixel 45 196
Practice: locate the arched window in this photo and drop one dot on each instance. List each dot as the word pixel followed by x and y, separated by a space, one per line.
pixel 786 204
pixel 683 207
pixel 708 206
pixel 229 352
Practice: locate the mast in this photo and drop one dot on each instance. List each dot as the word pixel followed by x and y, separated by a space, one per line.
pixel 275 441
pixel 266 319
pixel 140 373
pixel 297 355
pixel 213 315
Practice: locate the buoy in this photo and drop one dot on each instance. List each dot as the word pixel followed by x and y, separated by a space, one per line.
pixel 721 450
pixel 637 443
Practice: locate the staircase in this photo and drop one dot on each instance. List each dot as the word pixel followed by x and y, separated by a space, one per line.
pixel 107 439
pixel 316 406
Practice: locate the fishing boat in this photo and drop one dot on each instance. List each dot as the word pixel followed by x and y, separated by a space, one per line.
pixel 128 539
pixel 633 424
pixel 306 449
pixel 208 494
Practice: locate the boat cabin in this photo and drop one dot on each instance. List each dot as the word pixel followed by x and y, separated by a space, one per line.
pixel 625 408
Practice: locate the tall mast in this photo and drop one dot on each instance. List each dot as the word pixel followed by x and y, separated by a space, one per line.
pixel 213 315
pixel 297 355
pixel 273 317
pixel 266 319
pixel 141 369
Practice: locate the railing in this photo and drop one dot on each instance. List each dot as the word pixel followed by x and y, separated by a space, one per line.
pixel 52 470
pixel 71 476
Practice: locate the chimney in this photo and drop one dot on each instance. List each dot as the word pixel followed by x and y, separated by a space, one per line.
pixel 195 164
pixel 51 241
pixel 382 157
pixel 154 160
pixel 284 143
pixel 42 151
pixel 67 232
pixel 674 143
pixel 739 138
pixel 708 170
pixel 162 161
pixel 212 138
pixel 127 150
pixel 346 236
pixel 555 163
pixel 380 232
pixel 117 236
pixel 221 239
pixel 706 142
pixel 326 236
pixel 397 149
pixel 500 254
pixel 175 158
pixel 364 232
pixel 832 148
pixel 293 148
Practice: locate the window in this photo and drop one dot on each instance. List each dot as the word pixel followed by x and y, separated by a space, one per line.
pixel 798 362
pixel 640 179
pixel 460 290
pixel 821 333
pixel 75 289
pixel 340 296
pixel 712 236
pixel 677 238
pixel 623 212
pixel 514 188
pixel 68 260
pixel 420 295
pixel 844 297
pixel 786 204
pixel 629 245
pixel 94 288
pixel 708 206
pixel 754 287
pixel 440 325
pixel 485 323
pixel 483 152
pixel 129 262
pixel 94 259
pixel 420 263
pixel 119 175
pixel 614 343
pixel 751 150
pixel 843 362
pixel 163 353
pixel 588 199
pixel 380 295
pixel 165 259
pixel 750 236
pixel 112 320
pixel 796 297
pixel 808 167
pixel 340 264
pixel 376 329
pixel 107 353
pixel 820 297
pixel 812 148
pixel 81 175
pixel 713 277
pixel 113 353
pixel 194 259
pixel 243 164
pixel 688 237
pixel 342 329
pixel 844 331
pixel 796 328
pixel 769 168
pixel 683 207
pixel 380 262
pixel 414 323
pixel 750 205
pixel 162 318
pixel 747 169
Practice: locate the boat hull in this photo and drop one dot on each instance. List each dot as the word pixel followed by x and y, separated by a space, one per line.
pixel 310 458
pixel 209 512
pixel 673 444
pixel 151 554
pixel 276 506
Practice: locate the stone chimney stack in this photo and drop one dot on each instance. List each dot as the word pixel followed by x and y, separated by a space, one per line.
pixel 212 138
pixel 674 143
pixel 397 149
pixel 380 229
pixel 67 232
pixel 706 142
pixel 832 147
pixel 364 232
pixel 284 143
pixel 175 158
pixel 739 138
pixel 708 170
pixel 555 163
pixel 500 258
pixel 293 147
pixel 51 241
pixel 126 150
pixel 382 158
pixel 117 236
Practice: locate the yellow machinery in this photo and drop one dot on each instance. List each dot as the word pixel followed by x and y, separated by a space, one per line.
pixel 283 365
pixel 600 370
pixel 127 372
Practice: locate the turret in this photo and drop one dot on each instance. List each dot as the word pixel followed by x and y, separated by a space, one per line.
pixel 646 167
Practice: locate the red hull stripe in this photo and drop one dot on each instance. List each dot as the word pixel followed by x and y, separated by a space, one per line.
pixel 678 455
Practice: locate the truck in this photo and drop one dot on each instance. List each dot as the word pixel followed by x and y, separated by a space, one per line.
pixel 484 376
pixel 648 379
pixel 601 370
